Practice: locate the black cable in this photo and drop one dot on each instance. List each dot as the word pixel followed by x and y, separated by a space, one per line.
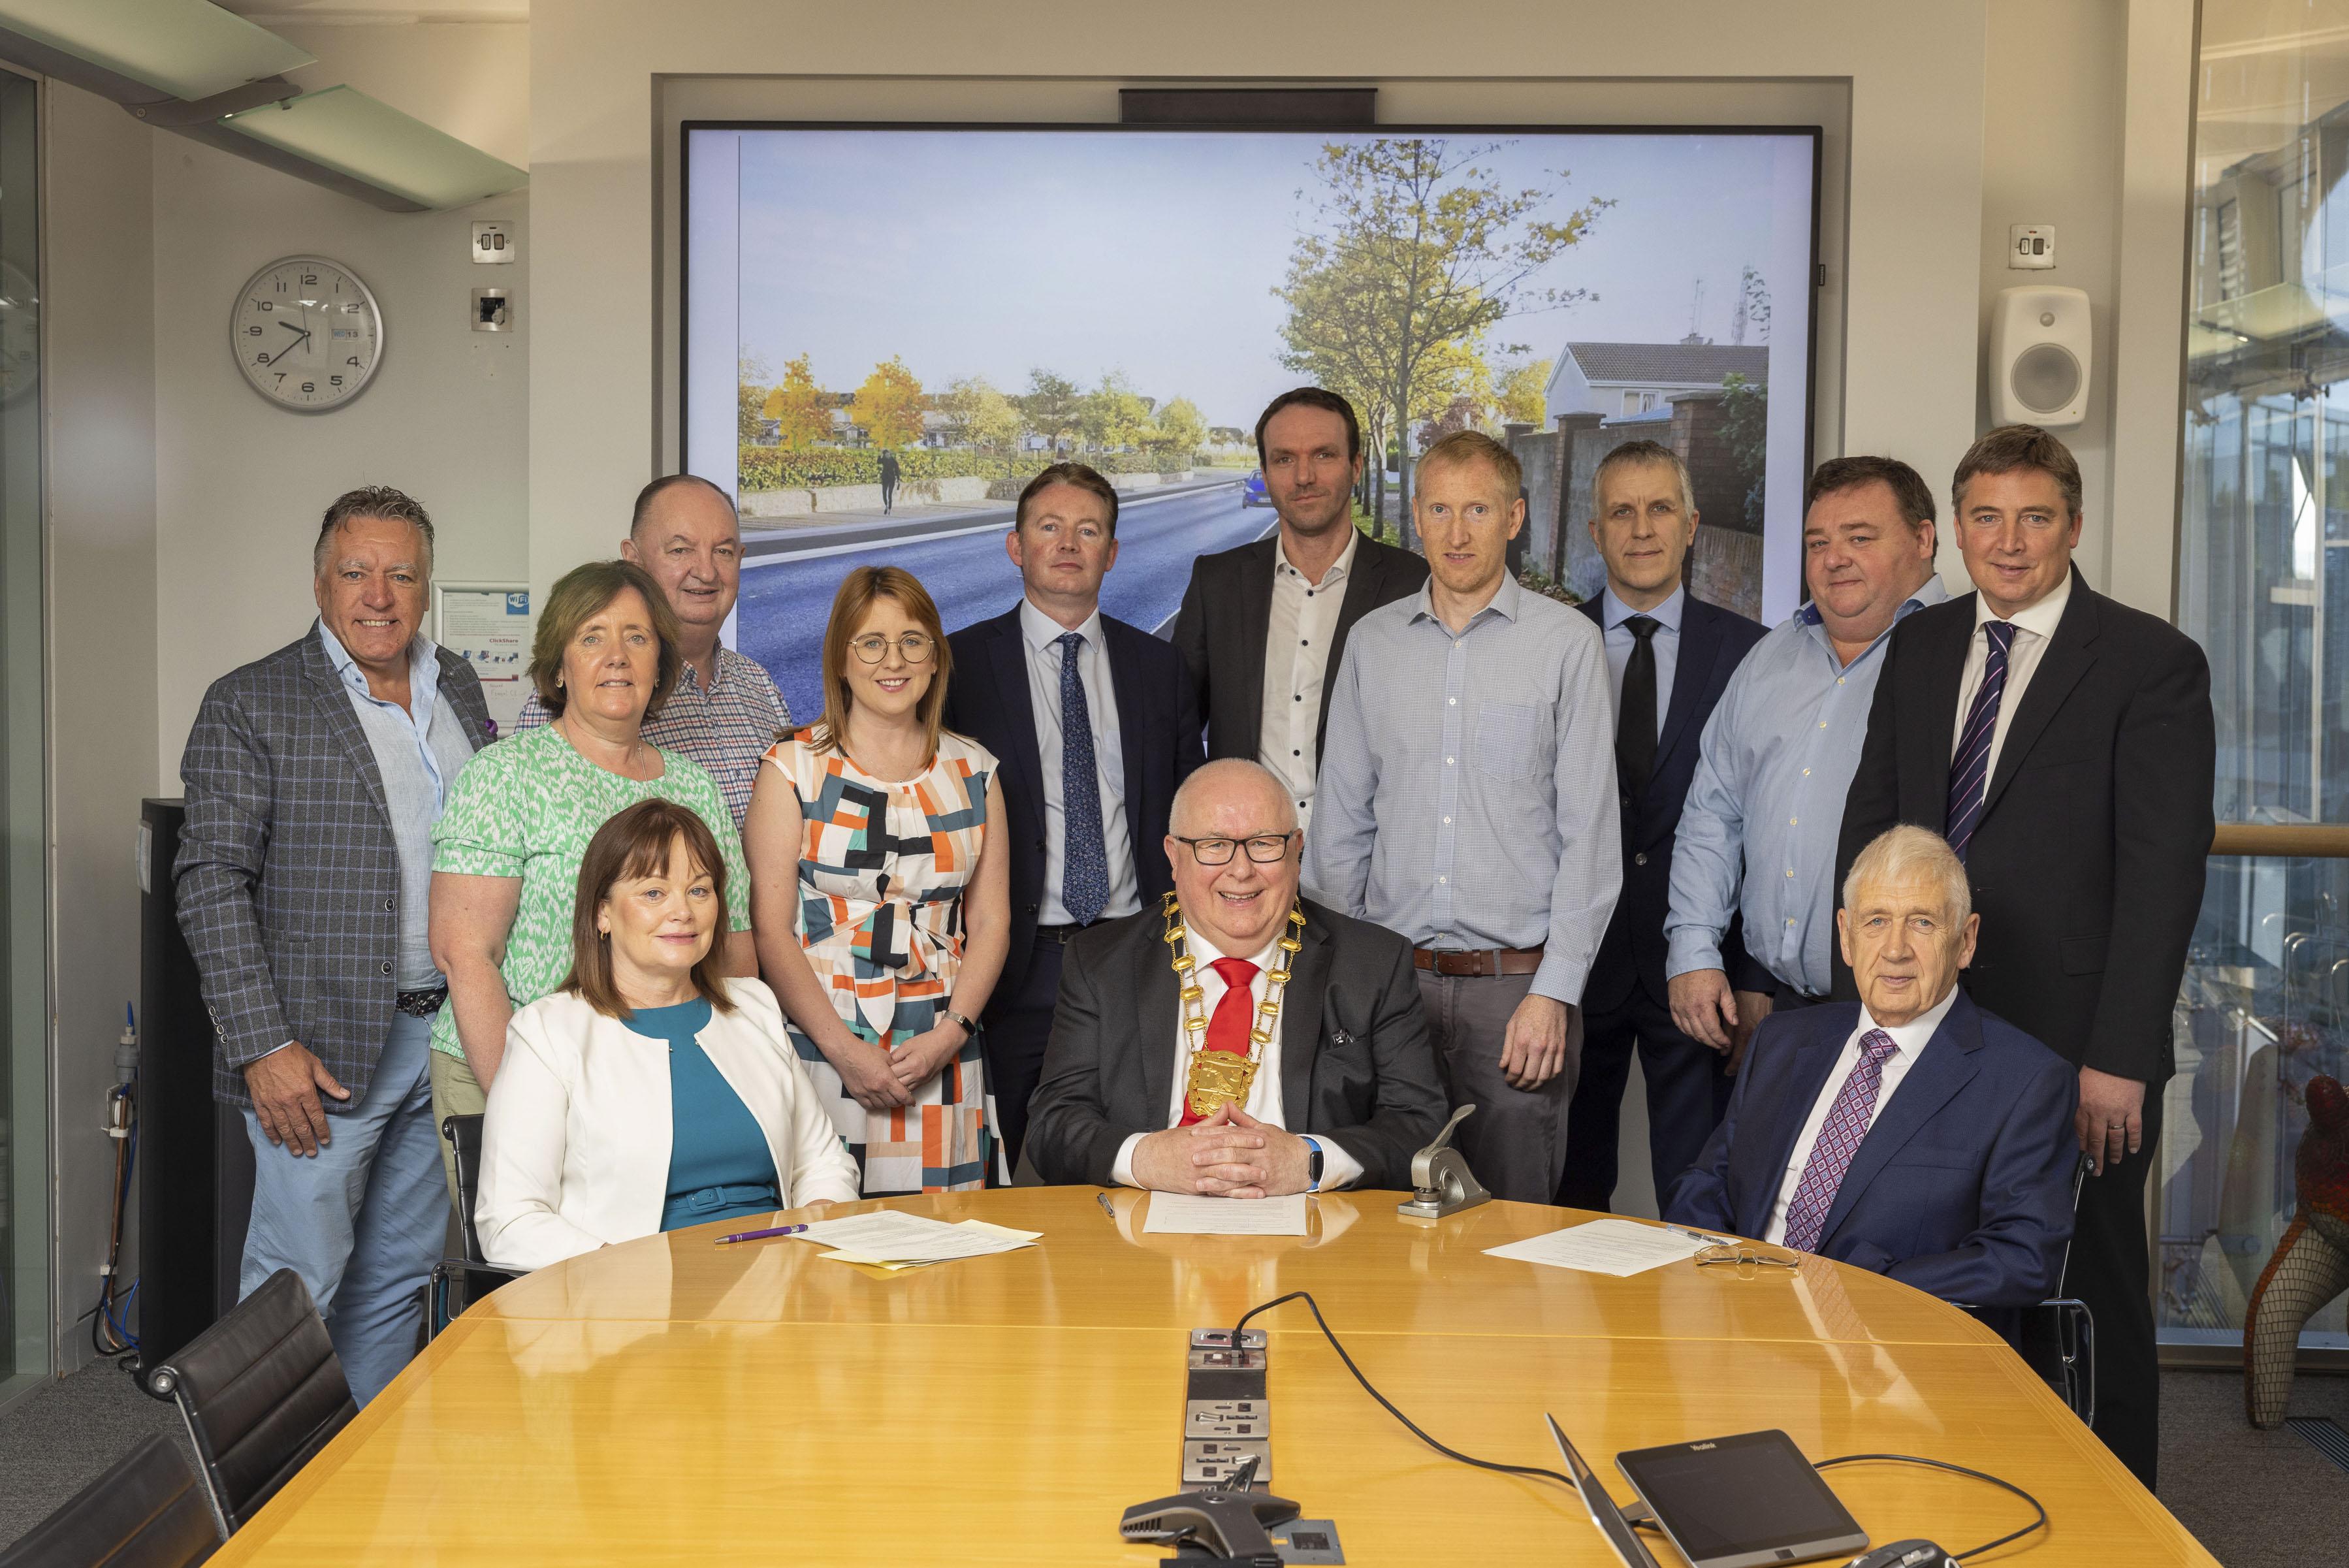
pixel 1410 1426
pixel 1239 1350
pixel 2036 1506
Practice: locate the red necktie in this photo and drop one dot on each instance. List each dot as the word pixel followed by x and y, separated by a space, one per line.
pixel 1227 1029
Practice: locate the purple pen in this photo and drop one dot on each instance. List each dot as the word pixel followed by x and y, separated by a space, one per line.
pixel 759 1235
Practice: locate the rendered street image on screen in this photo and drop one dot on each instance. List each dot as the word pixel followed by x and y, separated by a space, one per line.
pixel 888 331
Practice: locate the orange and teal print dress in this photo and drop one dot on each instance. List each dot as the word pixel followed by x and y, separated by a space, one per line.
pixel 882 871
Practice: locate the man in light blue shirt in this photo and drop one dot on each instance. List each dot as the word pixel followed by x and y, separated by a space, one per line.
pixel 314 777
pixel 1467 801
pixel 1780 751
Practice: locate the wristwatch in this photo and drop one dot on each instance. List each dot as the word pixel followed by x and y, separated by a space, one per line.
pixel 951 1016
pixel 1312 1163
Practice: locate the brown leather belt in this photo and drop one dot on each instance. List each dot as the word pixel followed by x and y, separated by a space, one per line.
pixel 1475 962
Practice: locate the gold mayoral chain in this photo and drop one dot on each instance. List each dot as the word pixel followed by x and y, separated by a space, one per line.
pixel 1220 1078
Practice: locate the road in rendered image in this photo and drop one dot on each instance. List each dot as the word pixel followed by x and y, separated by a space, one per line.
pixel 781 615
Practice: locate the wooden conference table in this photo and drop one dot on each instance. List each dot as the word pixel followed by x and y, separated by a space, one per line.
pixel 670 1401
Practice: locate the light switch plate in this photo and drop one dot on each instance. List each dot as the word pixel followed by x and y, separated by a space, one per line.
pixel 2030 245
pixel 493 243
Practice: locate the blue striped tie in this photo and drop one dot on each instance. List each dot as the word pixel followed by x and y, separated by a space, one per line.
pixel 1970 768
pixel 1085 864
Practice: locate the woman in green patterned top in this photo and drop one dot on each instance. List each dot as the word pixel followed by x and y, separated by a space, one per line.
pixel 507 850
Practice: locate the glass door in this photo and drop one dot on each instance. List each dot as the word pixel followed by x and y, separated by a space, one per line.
pixel 23 945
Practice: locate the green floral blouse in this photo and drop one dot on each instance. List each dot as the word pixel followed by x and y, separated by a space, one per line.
pixel 526 807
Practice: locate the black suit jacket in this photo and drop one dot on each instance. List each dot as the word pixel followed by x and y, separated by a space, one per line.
pixel 2088 858
pixel 1227 614
pixel 1158 734
pixel 1356 1066
pixel 1714 641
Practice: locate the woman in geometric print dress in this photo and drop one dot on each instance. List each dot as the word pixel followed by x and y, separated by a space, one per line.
pixel 881 901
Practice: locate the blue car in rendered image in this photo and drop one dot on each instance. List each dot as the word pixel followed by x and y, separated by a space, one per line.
pixel 1252 490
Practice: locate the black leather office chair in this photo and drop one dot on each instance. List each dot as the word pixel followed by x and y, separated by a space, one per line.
pixel 458 1282
pixel 2057 1338
pixel 262 1392
pixel 145 1513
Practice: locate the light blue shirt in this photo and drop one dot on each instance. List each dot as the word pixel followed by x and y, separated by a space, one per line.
pixel 418 751
pixel 1766 805
pixel 1665 639
pixel 1039 636
pixel 1467 792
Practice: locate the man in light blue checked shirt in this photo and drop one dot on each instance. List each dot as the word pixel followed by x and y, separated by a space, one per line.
pixel 1780 751
pixel 1467 800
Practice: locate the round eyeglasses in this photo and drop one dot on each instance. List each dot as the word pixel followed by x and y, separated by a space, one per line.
pixel 1264 848
pixel 915 645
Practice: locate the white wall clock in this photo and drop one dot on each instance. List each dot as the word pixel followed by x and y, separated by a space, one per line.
pixel 307 334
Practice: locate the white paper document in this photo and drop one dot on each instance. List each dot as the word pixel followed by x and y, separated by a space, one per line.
pixel 888 1237
pixel 1189 1214
pixel 1618 1246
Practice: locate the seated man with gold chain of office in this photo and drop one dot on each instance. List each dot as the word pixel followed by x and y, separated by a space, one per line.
pixel 1241 1041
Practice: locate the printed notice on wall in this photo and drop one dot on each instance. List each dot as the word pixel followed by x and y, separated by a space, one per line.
pixel 489 626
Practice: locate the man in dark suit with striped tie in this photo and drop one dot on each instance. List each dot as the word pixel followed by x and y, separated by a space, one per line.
pixel 2064 744
pixel 1669 658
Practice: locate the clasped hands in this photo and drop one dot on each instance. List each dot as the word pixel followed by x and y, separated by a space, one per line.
pixel 1229 1154
pixel 882 1080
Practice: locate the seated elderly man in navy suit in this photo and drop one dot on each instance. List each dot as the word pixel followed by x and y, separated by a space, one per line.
pixel 1910 1133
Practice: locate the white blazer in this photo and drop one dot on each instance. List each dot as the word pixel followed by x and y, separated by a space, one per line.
pixel 575 1148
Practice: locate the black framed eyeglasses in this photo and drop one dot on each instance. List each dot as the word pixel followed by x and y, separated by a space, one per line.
pixel 1264 848
pixel 915 645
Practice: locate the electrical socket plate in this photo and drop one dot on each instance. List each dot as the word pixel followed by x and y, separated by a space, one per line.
pixel 2030 245
pixel 493 243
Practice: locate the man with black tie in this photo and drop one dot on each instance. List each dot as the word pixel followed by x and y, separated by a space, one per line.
pixel 2064 744
pixel 1095 723
pixel 1263 627
pixel 1669 658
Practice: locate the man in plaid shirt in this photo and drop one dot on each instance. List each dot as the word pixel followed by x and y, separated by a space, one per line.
pixel 726 710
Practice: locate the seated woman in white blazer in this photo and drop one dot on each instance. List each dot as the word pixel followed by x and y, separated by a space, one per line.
pixel 649 1092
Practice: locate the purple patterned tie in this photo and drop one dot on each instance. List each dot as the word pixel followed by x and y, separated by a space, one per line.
pixel 1839 1139
pixel 1969 766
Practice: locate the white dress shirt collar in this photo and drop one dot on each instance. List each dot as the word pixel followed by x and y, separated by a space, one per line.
pixel 1338 568
pixel 2040 619
pixel 1910 1038
pixel 1040 631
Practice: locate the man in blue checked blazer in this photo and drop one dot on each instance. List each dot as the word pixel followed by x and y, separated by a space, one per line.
pixel 313 778
pixel 1910 1133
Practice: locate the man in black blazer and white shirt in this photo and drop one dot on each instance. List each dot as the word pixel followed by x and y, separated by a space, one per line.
pixel 2064 744
pixel 1094 724
pixel 1157 1079
pixel 1669 658
pixel 1263 627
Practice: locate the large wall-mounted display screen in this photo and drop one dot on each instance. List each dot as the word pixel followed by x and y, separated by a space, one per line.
pixel 888 329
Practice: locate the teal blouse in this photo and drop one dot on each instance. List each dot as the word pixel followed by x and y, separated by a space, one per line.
pixel 719 1166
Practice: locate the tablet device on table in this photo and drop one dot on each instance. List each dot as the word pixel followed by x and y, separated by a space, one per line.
pixel 1741 1501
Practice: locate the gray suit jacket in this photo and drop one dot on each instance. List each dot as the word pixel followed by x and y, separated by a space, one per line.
pixel 288 876
pixel 1356 1065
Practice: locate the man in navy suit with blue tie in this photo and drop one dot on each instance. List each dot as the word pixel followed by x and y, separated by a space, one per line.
pixel 1910 1133
pixel 1669 658
pixel 1095 723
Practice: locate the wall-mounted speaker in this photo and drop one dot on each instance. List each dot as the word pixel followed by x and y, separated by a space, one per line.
pixel 2039 356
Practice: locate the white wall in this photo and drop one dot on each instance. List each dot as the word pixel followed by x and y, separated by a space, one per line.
pixel 99 392
pixel 1909 267
pixel 240 483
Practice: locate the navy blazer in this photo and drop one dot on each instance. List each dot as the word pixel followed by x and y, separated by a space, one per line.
pixel 1158 733
pixel 1963 1187
pixel 1714 642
